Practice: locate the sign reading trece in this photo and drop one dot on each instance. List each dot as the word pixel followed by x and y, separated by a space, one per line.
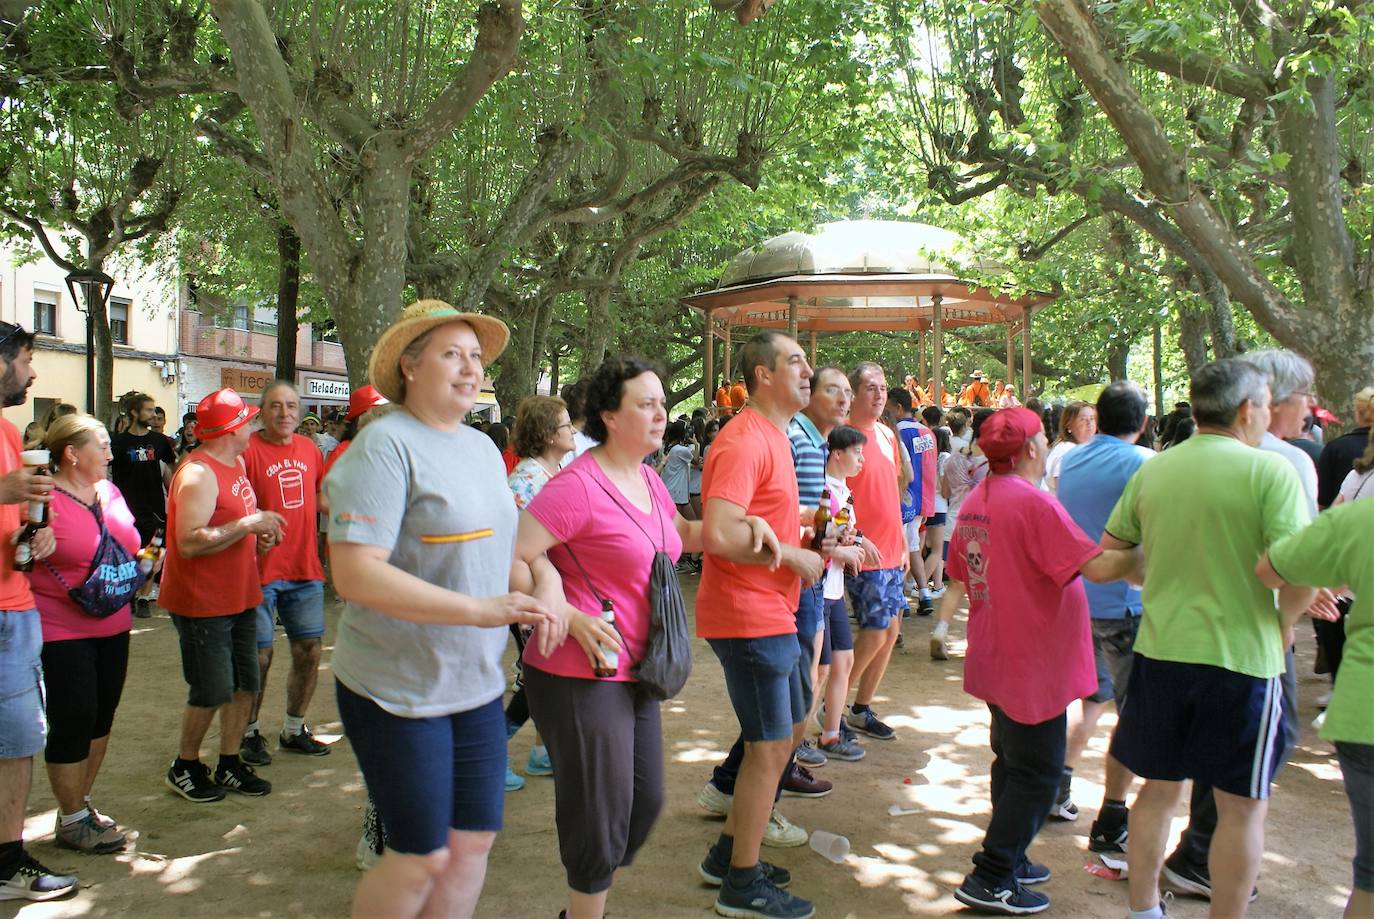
pixel 326 389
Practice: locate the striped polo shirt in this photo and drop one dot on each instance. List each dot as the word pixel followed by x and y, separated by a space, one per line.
pixel 809 455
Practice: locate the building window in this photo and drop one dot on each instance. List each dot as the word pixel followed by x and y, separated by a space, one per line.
pixel 119 320
pixel 324 331
pixel 45 313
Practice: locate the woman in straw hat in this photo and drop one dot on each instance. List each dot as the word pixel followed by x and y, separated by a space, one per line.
pixel 421 534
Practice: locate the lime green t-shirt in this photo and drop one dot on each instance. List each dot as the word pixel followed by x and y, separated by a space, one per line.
pixel 1336 551
pixel 1203 513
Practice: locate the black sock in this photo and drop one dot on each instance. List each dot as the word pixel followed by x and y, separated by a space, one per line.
pixel 228 760
pixel 11 853
pixel 1113 804
pixel 742 877
pixel 858 708
pixel 183 764
pixel 725 846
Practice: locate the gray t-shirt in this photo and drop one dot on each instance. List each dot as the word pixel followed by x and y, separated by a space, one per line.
pixel 439 501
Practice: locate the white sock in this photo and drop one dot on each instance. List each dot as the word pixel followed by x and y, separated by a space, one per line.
pixel 69 819
pixel 251 729
pixel 941 629
pixel 925 592
pixel 1154 912
pixel 291 725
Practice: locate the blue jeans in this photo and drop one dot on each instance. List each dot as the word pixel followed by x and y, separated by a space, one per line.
pixel 299 605
pixel 1028 760
pixel 763 678
pixel 1357 765
pixel 23 724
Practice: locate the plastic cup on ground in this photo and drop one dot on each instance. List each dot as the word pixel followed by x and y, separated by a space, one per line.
pixel 831 846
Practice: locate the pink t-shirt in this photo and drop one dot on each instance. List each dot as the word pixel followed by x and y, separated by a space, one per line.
pixel 581 508
pixel 78 536
pixel 1030 646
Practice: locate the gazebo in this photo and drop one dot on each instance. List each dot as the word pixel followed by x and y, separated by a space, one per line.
pixel 865 275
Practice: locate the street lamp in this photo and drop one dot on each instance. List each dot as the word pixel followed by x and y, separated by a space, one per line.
pixel 97 284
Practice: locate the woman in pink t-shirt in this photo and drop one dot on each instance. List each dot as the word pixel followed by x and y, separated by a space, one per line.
pixel 601 521
pixel 84 658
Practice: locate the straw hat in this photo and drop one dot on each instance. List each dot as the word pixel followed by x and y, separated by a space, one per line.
pixel 384 368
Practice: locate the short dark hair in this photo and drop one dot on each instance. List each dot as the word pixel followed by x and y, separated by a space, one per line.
pixel 759 351
pixel 1121 409
pixel 942 440
pixel 13 338
pixel 498 434
pixel 606 388
pixel 575 398
pixel 1218 389
pixel 843 437
pixel 901 397
pixel 931 415
pixel 980 416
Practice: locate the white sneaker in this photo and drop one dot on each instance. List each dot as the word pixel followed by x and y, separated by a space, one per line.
pixel 1324 699
pixel 782 833
pixel 714 800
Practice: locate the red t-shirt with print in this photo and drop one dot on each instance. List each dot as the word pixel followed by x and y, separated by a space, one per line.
pixel 286 479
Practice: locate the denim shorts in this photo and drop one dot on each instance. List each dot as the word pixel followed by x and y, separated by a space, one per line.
pixel 1113 646
pixel 219 656
pixel 876 596
pixel 763 678
pixel 810 610
pixel 429 775
pixel 838 636
pixel 1357 765
pixel 23 722
pixel 299 606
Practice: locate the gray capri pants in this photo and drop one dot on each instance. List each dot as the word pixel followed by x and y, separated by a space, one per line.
pixel 605 742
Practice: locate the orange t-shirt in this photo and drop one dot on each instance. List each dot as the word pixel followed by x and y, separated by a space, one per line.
pixel 723 400
pixel 286 479
pixel 750 464
pixel 222 583
pixel 15 595
pixel 876 502
pixel 738 396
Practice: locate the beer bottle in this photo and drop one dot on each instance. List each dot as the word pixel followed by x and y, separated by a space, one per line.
pixel 610 653
pixel 23 549
pixel 821 521
pixel 149 554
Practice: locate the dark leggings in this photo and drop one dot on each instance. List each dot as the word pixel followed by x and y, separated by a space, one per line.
pixel 518 708
pixel 605 741
pixel 85 678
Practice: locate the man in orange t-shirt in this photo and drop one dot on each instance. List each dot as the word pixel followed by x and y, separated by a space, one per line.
pixel 739 395
pixel 745 608
pixel 723 406
pixel 23 722
pixel 876 593
pixel 284 468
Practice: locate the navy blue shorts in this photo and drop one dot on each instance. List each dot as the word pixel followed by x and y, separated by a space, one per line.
pixel 429 775
pixel 1196 721
pixel 763 678
pixel 838 636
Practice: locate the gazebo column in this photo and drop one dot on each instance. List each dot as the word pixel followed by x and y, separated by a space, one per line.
pixel 728 348
pixel 1011 359
pixel 937 326
pixel 813 347
pixel 708 380
pixel 792 318
pixel 1026 356
pixel 920 356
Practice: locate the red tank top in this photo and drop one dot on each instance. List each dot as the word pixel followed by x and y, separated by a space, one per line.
pixel 224 582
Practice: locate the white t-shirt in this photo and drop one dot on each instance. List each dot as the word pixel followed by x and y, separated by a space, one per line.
pixel 581 444
pixel 1307 471
pixel 941 502
pixel 1357 485
pixel 833 588
pixel 1055 460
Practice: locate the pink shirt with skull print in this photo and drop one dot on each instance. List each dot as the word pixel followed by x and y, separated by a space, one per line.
pixel 1018 553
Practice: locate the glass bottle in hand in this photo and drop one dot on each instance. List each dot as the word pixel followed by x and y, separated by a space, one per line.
pixel 609 653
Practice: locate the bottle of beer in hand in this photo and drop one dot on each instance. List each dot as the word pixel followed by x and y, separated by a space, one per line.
pixel 149 554
pixel 23 549
pixel 610 653
pixel 821 521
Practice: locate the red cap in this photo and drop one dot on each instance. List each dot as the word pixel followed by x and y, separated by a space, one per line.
pixel 362 399
pixel 222 412
pixel 1005 434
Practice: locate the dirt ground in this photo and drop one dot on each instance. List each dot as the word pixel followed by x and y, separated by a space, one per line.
pixel 292 853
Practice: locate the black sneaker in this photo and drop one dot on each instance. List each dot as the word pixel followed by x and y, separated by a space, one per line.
pixel 241 778
pixel 1029 872
pixel 143 609
pixel 1009 900
pixel 1063 807
pixel 194 783
pixel 1109 832
pixel 303 743
pixel 1182 876
pixel 713 869
pixel 865 722
pixel 253 750
pixel 31 881
pixel 925 606
pixel 761 899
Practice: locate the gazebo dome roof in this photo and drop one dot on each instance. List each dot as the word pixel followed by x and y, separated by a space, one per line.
pixel 858 247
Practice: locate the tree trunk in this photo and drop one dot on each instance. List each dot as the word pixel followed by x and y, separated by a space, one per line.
pixel 600 328
pixel 554 355
pixel 1157 361
pixel 1192 338
pixel 288 295
pixel 1118 354
pixel 104 349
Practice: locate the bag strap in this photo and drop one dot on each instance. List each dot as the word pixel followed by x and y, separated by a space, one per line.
pixel 99 546
pixel 658 513
pixel 599 598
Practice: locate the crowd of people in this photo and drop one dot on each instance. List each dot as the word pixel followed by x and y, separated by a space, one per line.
pixel 820 506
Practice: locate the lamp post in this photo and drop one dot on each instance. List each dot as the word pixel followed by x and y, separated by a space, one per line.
pixel 96 284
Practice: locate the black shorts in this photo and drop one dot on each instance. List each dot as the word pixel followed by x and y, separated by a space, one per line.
pixel 219 656
pixel 85 678
pixel 838 635
pixel 1195 721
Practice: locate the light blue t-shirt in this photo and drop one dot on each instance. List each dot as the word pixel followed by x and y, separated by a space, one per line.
pixel 1091 480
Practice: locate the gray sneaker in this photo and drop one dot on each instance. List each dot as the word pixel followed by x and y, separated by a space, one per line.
pixel 86 835
pixel 809 756
pixel 761 899
pixel 843 748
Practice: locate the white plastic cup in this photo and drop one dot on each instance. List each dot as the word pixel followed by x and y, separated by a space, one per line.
pixel 831 846
pixel 36 459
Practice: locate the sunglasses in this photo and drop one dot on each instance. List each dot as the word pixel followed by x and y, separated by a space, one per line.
pixel 17 330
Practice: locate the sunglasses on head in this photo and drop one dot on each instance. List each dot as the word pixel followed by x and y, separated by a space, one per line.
pixel 18 329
